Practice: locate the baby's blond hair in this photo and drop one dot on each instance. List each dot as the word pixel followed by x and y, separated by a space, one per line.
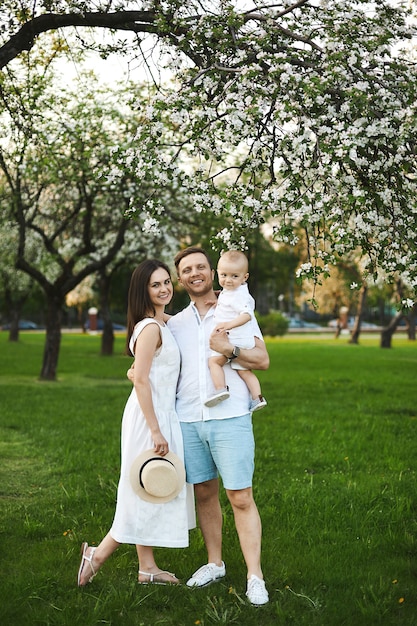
pixel 237 257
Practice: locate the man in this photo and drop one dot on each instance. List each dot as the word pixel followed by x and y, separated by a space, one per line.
pixel 210 434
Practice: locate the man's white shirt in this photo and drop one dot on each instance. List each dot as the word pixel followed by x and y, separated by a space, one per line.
pixel 194 384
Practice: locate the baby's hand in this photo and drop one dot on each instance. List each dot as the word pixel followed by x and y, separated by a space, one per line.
pixel 212 302
pixel 220 328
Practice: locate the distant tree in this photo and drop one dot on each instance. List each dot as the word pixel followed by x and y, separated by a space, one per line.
pixel 63 159
pixel 161 245
pixel 80 296
pixel 406 310
pixel 339 289
pixel 15 286
pixel 356 330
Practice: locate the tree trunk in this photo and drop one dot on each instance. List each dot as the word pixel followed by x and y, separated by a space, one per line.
pixel 388 331
pixel 411 321
pixel 52 340
pixel 13 306
pixel 14 326
pixel 361 305
pixel 107 338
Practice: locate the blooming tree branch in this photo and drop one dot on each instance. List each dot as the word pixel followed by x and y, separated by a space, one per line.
pixel 301 114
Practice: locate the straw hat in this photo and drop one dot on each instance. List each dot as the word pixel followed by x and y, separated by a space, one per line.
pixel 157 478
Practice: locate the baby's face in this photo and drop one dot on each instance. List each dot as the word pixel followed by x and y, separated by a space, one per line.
pixel 230 274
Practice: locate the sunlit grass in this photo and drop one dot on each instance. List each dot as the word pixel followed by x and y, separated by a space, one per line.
pixel 335 486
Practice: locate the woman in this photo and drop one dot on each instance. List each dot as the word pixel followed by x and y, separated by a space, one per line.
pixel 149 422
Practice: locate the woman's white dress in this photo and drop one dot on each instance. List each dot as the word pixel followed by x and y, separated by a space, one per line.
pixel 137 521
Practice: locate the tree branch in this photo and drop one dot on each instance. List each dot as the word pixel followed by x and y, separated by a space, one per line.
pixel 24 39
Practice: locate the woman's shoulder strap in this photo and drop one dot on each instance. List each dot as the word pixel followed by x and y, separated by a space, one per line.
pixel 138 329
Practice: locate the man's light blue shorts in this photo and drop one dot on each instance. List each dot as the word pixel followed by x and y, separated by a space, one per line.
pixel 225 447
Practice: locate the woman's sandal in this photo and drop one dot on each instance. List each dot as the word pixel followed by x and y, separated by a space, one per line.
pixel 152 580
pixel 89 560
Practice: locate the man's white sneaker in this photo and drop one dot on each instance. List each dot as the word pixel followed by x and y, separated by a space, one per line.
pixel 257 592
pixel 206 575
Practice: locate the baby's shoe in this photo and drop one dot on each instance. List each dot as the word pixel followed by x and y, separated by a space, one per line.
pixel 258 403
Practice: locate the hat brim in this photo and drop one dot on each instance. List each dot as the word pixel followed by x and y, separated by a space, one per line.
pixel 138 464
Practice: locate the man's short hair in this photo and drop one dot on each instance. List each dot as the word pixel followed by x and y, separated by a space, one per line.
pixel 191 250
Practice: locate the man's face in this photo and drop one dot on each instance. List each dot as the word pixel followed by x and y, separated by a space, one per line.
pixel 195 275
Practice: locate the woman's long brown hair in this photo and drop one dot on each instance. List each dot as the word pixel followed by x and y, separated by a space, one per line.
pixel 139 303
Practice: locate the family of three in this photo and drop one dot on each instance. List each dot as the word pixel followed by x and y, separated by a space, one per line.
pixel 167 423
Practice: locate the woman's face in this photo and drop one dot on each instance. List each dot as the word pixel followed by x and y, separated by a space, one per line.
pixel 160 287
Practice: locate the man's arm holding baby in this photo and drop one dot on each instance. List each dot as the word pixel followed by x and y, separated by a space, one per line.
pixel 256 358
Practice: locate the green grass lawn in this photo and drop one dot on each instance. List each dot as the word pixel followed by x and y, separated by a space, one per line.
pixel 335 484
